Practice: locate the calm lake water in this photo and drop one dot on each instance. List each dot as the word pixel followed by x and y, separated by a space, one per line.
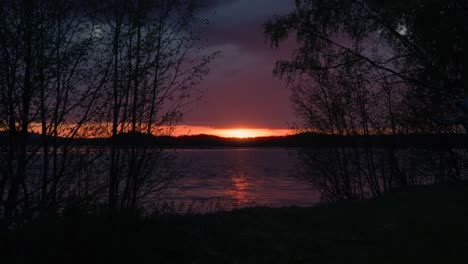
pixel 241 178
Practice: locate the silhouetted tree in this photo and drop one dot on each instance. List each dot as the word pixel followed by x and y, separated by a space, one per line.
pixel 76 69
pixel 157 64
pixel 50 86
pixel 375 67
pixel 419 43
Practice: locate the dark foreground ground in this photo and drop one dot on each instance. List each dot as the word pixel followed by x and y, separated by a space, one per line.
pixel 418 225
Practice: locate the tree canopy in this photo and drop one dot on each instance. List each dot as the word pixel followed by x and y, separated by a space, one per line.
pixel 416 45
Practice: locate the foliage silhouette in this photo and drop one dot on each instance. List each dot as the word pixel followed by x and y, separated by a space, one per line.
pixel 377 68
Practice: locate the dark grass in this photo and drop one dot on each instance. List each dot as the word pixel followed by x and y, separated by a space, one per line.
pixel 418 225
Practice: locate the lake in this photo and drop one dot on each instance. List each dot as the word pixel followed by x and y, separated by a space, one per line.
pixel 238 178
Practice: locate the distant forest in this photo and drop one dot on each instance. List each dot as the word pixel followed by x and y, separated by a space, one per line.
pixel 301 140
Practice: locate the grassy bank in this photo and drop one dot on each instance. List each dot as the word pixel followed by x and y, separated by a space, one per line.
pixel 417 225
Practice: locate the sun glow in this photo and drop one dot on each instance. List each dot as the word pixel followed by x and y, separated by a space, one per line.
pixel 235 132
pixel 241 133
pixel 245 133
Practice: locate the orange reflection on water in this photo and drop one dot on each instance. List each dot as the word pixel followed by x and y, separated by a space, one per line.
pixel 238 192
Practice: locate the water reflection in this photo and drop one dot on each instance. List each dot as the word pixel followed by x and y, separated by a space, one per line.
pixel 238 192
pixel 241 178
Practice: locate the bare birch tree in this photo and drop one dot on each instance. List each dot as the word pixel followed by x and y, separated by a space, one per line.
pixel 157 64
pixel 50 87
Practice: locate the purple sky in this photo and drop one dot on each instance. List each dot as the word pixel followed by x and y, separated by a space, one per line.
pixel 240 90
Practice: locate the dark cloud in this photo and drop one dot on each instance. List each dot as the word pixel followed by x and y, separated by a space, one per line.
pixel 231 13
pixel 210 4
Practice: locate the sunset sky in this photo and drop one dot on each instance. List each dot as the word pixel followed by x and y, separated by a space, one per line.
pixel 240 91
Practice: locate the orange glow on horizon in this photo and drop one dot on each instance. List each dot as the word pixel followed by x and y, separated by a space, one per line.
pixel 231 132
pixel 103 130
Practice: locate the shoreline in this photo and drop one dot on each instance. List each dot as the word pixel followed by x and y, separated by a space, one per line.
pixel 426 222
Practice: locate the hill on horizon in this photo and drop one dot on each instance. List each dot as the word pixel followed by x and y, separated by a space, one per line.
pixel 293 141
